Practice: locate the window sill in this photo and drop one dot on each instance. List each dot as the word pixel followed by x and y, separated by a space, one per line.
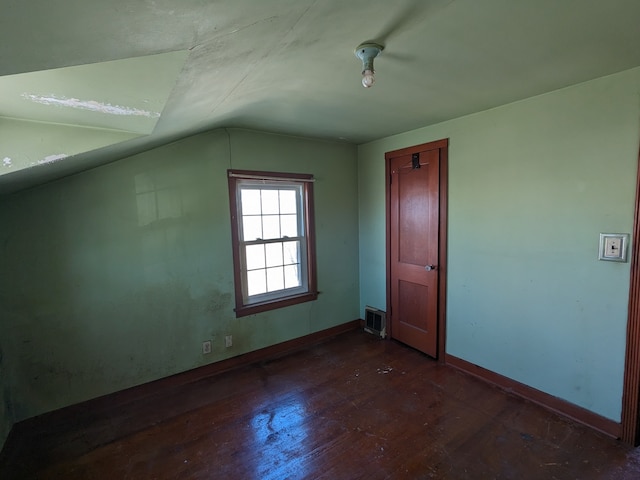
pixel 244 310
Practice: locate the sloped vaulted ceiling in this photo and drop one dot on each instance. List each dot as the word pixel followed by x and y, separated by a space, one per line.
pixel 84 82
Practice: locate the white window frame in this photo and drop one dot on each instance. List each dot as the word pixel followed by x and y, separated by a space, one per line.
pixel 303 186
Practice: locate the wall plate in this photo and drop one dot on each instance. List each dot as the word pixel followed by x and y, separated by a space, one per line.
pixel 613 247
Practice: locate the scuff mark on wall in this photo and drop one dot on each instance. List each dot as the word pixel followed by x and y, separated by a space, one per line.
pixel 6 162
pixel 91 105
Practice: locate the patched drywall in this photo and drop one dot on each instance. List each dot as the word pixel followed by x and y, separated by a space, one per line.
pixel 128 94
pixel 89 105
pixel 50 115
pixel 114 277
pixel 531 186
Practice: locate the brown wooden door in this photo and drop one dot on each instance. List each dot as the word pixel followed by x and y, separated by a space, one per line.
pixel 413 256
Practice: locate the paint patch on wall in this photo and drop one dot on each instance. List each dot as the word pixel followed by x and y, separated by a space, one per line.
pixel 6 162
pixel 90 105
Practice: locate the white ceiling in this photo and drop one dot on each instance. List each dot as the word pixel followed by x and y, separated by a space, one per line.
pixel 283 66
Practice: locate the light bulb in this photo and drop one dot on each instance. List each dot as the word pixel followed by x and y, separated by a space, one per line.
pixel 368 78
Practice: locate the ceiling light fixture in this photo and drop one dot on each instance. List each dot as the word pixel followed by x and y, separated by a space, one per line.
pixel 367 52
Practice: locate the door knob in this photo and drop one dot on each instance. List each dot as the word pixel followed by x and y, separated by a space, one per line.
pixel 428 268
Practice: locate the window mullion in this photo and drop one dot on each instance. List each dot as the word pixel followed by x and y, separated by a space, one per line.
pixel 273 240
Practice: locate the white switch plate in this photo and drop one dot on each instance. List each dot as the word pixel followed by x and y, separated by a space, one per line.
pixel 613 247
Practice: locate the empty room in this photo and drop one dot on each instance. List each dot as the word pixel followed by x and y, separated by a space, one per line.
pixel 319 239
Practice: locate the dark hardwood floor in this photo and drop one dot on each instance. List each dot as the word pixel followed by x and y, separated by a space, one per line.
pixel 352 407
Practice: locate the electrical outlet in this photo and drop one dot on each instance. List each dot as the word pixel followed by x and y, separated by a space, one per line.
pixel 206 347
pixel 228 341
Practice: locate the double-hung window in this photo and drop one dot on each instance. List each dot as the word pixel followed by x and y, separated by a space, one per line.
pixel 273 239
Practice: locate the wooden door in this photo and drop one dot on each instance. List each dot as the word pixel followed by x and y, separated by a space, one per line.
pixel 414 246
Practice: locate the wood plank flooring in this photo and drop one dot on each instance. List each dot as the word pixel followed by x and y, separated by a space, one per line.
pixel 352 407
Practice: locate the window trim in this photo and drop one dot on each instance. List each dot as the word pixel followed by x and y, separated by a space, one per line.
pixel 243 309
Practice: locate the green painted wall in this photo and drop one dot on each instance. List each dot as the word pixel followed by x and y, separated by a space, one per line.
pixel 114 277
pixel 531 186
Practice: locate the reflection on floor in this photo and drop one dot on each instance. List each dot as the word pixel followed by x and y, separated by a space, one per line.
pixel 353 407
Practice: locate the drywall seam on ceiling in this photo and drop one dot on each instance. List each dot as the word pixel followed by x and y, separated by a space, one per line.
pixel 91 105
pixel 72 125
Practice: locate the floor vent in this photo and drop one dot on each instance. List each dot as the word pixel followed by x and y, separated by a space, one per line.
pixel 375 322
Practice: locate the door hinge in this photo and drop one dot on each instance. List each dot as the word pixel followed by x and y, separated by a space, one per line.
pixel 390 179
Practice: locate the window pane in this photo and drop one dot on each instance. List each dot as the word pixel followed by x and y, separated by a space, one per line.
pixel 275 279
pixel 288 203
pixel 251 228
pixel 271 225
pixel 256 282
pixel 292 276
pixel 274 254
pixel 291 254
pixel 289 225
pixel 255 257
pixel 270 202
pixel 250 201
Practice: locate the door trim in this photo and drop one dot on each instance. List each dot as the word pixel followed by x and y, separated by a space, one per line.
pixel 630 421
pixel 443 146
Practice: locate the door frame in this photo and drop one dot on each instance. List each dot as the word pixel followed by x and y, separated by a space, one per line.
pixel 443 147
pixel 630 421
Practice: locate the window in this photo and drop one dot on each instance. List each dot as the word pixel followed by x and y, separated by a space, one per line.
pixel 273 239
